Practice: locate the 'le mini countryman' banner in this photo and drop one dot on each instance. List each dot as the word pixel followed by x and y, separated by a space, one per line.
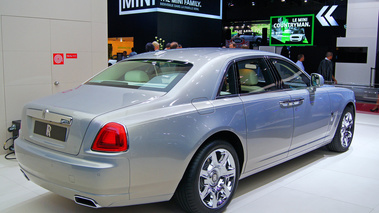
pixel 200 8
pixel 296 30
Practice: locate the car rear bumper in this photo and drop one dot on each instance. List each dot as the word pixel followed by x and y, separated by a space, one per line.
pixel 102 179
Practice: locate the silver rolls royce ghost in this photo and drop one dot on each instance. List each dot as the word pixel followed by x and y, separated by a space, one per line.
pixel 183 124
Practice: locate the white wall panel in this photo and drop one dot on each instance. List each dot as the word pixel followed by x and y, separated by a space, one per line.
pixel 35 8
pixel 3 134
pixel 361 31
pixel 99 14
pixel 79 10
pixel 30 32
pixel 362 22
pixel 71 36
pixel 25 34
pixel 18 95
pixel 356 73
pixel 27 67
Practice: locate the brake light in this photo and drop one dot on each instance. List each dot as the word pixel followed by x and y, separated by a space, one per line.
pixel 111 138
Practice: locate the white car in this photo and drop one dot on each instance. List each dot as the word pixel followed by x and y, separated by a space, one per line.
pixel 252 37
pixel 111 62
pixel 297 35
pixel 184 124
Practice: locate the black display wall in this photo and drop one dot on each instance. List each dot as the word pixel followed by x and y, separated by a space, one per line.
pixel 325 37
pixel 189 31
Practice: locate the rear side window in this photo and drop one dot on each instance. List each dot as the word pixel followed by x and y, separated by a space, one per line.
pixel 254 76
pixel 247 76
pixel 229 83
pixel 292 77
pixel 143 74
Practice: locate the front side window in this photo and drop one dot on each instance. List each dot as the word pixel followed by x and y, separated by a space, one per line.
pixel 143 74
pixel 292 77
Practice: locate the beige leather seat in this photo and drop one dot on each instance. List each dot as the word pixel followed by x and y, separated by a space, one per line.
pixel 136 76
pixel 249 81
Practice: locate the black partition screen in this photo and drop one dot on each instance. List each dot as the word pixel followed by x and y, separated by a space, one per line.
pixel 351 55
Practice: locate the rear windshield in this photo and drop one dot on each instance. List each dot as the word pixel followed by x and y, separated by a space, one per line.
pixel 143 74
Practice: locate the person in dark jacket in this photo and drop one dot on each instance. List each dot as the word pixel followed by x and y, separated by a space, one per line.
pixel 326 68
pixel 149 47
pixel 285 52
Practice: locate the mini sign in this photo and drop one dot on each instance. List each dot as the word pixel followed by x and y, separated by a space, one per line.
pixel 294 30
pixel 58 58
pixel 199 8
pixel 71 55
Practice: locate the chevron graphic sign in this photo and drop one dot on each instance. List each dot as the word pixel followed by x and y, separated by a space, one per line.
pixel 326 19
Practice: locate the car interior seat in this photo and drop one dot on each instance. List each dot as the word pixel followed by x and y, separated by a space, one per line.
pixel 249 81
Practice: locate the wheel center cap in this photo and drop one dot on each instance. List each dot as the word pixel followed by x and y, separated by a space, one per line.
pixel 214 177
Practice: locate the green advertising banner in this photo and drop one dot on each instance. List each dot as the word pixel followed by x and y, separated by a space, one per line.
pixel 295 30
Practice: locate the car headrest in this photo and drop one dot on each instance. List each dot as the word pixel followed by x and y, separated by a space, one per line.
pixel 136 76
pixel 248 77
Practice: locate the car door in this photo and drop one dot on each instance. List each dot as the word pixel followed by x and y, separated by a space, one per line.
pixel 269 126
pixel 311 106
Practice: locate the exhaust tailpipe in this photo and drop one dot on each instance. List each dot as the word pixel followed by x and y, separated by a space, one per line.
pixel 84 201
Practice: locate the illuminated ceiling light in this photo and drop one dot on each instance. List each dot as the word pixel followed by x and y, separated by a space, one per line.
pixel 253 3
pixel 283 0
pixel 305 1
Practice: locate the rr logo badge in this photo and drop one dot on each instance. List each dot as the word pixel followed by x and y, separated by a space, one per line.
pixel 48 130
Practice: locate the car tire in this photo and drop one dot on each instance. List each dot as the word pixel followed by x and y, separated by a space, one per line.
pixel 345 131
pixel 211 176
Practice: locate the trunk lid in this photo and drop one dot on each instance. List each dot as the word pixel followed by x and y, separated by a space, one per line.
pixel 59 122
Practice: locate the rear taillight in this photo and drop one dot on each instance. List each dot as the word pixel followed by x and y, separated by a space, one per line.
pixel 111 138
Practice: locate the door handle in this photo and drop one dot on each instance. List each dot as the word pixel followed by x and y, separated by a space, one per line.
pixel 291 103
pixel 285 104
pixel 297 102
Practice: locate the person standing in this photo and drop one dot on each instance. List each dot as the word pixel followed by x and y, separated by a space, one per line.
pixel 149 47
pixel 232 45
pixel 299 63
pixel 326 68
pixel 124 55
pixel 375 109
pixel 156 46
pixel 285 52
pixel 168 45
pixel 133 52
pixel 174 45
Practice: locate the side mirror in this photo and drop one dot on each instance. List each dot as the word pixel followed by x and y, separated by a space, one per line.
pixel 317 80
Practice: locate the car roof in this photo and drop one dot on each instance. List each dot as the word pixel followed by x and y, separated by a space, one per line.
pixel 199 56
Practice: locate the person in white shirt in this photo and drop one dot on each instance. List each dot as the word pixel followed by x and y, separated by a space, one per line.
pixel 299 63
